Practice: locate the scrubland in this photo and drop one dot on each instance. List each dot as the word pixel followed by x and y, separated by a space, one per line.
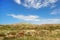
pixel 30 32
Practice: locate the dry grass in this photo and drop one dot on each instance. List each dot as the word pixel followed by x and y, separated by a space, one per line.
pixel 30 32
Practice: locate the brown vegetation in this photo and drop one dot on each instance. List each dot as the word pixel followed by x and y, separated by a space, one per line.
pixel 30 32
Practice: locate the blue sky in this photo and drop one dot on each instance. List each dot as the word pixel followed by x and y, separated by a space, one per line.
pixel 30 11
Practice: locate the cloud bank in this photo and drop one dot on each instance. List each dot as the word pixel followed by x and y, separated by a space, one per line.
pixel 50 21
pixel 36 3
pixel 34 18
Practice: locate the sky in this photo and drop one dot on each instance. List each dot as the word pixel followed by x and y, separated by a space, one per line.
pixel 30 11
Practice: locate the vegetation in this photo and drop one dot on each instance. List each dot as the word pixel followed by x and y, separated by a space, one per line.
pixel 30 32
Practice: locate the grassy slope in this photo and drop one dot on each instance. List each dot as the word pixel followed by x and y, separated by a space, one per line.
pixel 31 32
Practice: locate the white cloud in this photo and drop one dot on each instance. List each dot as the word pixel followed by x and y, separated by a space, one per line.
pixel 50 21
pixel 35 19
pixel 18 1
pixel 55 11
pixel 37 3
pixel 52 1
pixel 26 18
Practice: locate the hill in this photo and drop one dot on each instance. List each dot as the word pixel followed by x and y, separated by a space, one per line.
pixel 30 32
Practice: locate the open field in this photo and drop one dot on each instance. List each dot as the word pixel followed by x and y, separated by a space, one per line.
pixel 30 32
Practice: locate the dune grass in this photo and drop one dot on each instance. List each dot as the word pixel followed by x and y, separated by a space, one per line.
pixel 30 32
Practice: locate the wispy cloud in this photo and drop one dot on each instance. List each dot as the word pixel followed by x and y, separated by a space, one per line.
pixel 55 11
pixel 18 1
pixel 26 18
pixel 37 3
pixel 50 21
pixel 34 18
